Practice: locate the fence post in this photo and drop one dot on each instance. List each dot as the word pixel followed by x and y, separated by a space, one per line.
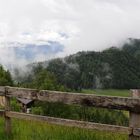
pixel 7 108
pixel 134 120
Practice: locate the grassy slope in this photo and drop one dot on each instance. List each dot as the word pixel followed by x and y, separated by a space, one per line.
pixel 25 130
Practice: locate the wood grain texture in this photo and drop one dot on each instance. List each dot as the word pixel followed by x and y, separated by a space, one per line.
pixel 2 90
pixel 7 119
pixel 71 123
pixel 136 131
pixel 134 119
pixel 111 102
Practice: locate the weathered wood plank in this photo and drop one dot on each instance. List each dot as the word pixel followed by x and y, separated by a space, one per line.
pixel 134 119
pixel 7 119
pixel 2 90
pixel 111 102
pixel 136 131
pixel 71 123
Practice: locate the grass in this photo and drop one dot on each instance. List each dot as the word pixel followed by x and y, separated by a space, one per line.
pixel 108 92
pixel 25 130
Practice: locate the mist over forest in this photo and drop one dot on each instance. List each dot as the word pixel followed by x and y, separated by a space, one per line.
pixel 115 67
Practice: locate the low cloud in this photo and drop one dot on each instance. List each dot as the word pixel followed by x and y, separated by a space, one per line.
pixel 77 25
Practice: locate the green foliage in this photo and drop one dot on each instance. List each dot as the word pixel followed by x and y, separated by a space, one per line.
pixel 37 110
pixel 81 113
pixel 41 78
pixel 15 106
pixel 5 77
pixel 44 80
pixel 67 74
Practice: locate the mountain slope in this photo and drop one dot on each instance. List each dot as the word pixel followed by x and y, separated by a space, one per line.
pixel 111 68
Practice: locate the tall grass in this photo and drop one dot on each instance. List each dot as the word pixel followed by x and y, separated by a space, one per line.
pixel 30 130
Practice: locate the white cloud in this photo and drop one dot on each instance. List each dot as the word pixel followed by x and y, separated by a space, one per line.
pixel 77 24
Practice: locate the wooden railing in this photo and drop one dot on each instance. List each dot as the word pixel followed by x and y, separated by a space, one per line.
pixel 131 104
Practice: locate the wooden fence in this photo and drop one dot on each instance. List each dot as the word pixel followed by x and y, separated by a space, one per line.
pixel 131 104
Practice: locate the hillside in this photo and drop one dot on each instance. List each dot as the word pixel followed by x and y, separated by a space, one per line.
pixel 115 67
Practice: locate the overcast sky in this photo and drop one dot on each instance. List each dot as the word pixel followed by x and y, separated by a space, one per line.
pixel 76 24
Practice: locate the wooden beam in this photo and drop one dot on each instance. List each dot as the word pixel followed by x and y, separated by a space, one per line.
pixel 111 102
pixel 134 119
pixel 2 90
pixel 136 131
pixel 71 123
pixel 7 119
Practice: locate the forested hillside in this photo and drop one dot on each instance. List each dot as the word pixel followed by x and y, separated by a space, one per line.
pixel 115 67
pixel 112 68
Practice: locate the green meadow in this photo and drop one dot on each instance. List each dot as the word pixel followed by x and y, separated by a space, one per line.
pixel 109 92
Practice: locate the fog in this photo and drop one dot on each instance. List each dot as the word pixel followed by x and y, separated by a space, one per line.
pixel 77 25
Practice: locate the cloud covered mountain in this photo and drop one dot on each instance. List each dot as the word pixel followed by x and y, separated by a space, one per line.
pixel 18 54
pixel 31 51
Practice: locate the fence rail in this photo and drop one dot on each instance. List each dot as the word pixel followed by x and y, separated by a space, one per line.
pixel 71 123
pixel 131 104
